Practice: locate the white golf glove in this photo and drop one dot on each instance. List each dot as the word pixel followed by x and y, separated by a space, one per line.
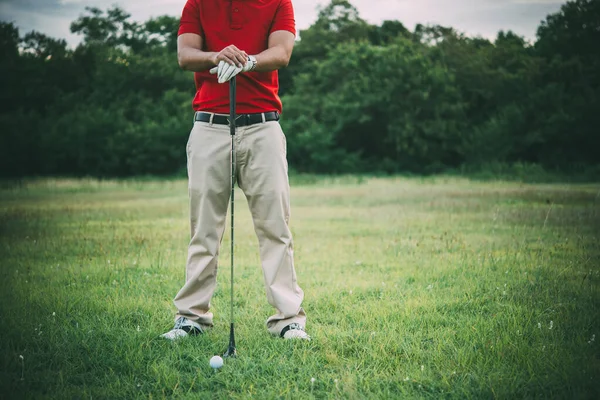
pixel 226 71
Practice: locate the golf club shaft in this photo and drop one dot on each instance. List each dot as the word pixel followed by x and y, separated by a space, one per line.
pixel 232 112
pixel 231 351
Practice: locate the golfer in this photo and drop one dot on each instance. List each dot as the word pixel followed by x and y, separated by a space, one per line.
pixel 251 40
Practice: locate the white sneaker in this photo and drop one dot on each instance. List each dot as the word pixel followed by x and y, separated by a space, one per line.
pixel 294 331
pixel 183 328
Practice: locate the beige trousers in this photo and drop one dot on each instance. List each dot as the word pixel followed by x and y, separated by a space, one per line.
pixel 261 173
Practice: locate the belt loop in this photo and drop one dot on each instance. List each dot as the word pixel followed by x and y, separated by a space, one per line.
pixel 264 119
pixel 210 121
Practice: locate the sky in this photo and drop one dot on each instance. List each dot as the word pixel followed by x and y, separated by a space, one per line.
pixel 472 17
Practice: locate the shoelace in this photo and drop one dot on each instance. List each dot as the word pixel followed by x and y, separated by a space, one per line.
pixel 179 323
pixel 293 326
pixel 189 328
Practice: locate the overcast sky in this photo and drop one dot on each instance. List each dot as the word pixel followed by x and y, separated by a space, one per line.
pixel 473 17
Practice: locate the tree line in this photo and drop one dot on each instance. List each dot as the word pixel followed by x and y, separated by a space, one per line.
pixel 358 97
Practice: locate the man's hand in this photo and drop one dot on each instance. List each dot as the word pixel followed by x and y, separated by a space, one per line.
pixel 226 71
pixel 231 55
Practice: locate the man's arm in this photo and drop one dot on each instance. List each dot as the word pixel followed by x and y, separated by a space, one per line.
pixel 278 53
pixel 191 57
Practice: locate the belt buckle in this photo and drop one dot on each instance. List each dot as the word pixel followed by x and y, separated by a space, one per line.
pixel 245 118
pixel 235 120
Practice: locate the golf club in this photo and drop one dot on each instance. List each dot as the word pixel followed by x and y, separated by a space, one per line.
pixel 231 352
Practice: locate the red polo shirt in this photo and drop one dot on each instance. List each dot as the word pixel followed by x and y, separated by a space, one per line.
pixel 246 24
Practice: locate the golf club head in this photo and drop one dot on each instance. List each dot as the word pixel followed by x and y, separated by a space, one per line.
pixel 231 352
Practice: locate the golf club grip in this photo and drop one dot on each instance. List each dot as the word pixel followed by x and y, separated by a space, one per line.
pixel 232 101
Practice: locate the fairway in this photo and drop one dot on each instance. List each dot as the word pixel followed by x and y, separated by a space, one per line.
pixel 436 287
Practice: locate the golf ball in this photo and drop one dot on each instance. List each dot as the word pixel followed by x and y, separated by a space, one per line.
pixel 216 362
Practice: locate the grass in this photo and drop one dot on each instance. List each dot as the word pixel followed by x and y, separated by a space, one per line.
pixel 436 287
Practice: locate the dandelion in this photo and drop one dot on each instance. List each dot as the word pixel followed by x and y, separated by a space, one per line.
pixel 22 366
pixel 406 379
pixel 350 292
pixel 422 368
pixel 551 325
pixel 54 314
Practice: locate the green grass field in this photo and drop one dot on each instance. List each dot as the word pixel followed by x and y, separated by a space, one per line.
pixel 414 288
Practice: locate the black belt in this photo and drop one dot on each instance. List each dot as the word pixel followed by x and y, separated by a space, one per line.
pixel 240 120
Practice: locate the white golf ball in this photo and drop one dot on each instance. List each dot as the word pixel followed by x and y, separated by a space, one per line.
pixel 216 362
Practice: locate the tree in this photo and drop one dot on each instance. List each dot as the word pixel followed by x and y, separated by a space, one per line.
pixel 570 85
pixel 387 32
pixel 9 41
pixel 112 28
pixel 572 32
pixel 9 64
pixel 338 22
pixel 44 47
pixel 386 109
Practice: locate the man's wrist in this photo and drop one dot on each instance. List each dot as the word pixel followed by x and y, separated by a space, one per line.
pixel 213 58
